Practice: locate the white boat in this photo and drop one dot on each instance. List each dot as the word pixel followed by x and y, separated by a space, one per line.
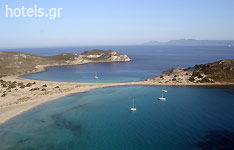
pixel 96 76
pixel 164 90
pixel 229 45
pixel 132 108
pixel 162 98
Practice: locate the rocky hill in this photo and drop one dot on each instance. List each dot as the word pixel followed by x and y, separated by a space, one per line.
pixel 15 63
pixel 221 71
pixel 109 55
pixel 217 72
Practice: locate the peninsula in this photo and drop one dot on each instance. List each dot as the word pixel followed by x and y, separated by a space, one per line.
pixel 16 63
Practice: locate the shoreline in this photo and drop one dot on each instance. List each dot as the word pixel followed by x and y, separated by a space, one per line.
pixel 12 110
pixel 43 68
pixel 9 112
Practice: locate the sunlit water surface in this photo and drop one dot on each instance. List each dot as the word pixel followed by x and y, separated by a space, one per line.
pixel 100 119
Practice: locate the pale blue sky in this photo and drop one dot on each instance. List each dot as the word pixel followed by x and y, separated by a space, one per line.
pixel 119 22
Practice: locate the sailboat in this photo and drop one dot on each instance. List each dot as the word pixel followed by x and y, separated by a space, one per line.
pixel 96 76
pixel 164 90
pixel 132 108
pixel 162 98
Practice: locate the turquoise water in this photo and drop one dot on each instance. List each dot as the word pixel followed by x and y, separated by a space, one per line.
pixel 191 118
pixel 148 61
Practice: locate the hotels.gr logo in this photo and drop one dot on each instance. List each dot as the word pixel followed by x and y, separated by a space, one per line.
pixel 51 13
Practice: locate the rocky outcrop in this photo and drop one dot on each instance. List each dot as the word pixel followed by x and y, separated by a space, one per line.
pixel 105 56
pixel 120 58
pixel 15 63
pixel 221 71
pixel 217 72
pixel 173 76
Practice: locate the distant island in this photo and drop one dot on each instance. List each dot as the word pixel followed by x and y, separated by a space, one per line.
pixel 16 63
pixel 193 42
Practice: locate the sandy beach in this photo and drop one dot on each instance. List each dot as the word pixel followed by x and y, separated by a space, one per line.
pixel 18 101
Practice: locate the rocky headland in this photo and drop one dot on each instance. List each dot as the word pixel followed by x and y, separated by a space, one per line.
pixel 216 73
pixel 16 63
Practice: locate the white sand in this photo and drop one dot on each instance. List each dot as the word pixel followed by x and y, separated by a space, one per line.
pixel 21 100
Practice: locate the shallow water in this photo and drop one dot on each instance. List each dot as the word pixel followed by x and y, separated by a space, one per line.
pixel 99 119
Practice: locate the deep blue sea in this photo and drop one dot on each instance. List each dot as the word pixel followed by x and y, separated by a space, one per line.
pixel 192 118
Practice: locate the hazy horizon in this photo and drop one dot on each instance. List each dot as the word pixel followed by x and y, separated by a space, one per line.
pixel 107 47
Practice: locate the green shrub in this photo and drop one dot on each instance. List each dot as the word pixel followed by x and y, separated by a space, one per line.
pixel 199 75
pixel 11 86
pixel 191 79
pixel 29 85
pixel 22 86
pixel 43 89
pixel 34 89
pixel 206 80
pixel 4 95
pixel 44 85
pixel 4 85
